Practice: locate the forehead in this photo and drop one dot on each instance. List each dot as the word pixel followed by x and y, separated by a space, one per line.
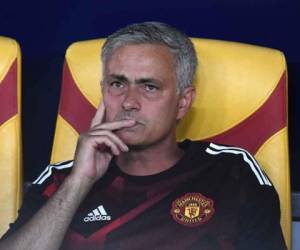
pixel 141 58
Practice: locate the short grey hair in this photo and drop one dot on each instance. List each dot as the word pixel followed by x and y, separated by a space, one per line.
pixel 157 33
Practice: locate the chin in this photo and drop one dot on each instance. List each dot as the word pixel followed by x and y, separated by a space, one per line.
pixel 138 143
pixel 129 138
pixel 133 141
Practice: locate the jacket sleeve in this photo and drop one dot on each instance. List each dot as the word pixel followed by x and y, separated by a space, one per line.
pixel 39 192
pixel 259 218
pixel 33 200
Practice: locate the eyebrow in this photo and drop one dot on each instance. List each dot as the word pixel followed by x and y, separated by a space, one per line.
pixel 146 80
pixel 121 78
pixel 142 80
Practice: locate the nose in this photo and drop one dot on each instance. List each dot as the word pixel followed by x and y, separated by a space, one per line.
pixel 131 100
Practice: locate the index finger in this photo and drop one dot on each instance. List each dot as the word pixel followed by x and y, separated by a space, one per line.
pixel 115 125
pixel 99 116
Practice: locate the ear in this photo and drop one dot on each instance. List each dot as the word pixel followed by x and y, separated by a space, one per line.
pixel 185 101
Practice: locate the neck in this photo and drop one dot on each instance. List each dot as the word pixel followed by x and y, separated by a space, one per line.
pixel 150 160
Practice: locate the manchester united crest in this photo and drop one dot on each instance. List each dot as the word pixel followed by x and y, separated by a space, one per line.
pixel 192 209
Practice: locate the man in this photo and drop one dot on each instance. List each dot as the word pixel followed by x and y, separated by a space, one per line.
pixel 131 186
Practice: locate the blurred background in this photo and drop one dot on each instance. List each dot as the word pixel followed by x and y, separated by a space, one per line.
pixel 45 29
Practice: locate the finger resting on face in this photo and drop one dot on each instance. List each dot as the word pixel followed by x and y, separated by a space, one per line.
pixel 115 150
pixel 116 125
pixel 99 115
pixel 114 138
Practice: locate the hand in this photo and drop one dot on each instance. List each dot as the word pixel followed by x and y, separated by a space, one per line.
pixel 96 147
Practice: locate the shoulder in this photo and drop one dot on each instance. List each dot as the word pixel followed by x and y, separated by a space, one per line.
pixel 51 178
pixel 238 167
pixel 241 159
pixel 60 168
pixel 38 192
pixel 229 161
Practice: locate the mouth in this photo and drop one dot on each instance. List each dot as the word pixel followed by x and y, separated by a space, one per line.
pixel 131 130
pixel 138 125
pixel 137 121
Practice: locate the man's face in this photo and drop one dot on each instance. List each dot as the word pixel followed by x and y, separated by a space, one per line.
pixel 140 83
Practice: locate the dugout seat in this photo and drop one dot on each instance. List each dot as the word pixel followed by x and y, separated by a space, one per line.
pixel 241 100
pixel 10 132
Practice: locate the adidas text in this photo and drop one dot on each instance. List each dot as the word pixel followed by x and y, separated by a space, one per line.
pixel 97 218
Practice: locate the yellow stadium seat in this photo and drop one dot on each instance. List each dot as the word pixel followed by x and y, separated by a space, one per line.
pixel 241 100
pixel 10 132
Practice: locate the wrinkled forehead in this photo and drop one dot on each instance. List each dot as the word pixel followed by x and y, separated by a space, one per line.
pixel 133 45
pixel 140 59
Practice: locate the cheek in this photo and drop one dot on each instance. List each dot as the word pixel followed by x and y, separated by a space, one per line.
pixel 111 108
pixel 164 116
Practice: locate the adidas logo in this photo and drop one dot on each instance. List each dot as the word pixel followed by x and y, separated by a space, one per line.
pixel 97 214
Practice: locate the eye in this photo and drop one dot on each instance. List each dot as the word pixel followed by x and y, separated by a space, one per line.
pixel 117 85
pixel 151 87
